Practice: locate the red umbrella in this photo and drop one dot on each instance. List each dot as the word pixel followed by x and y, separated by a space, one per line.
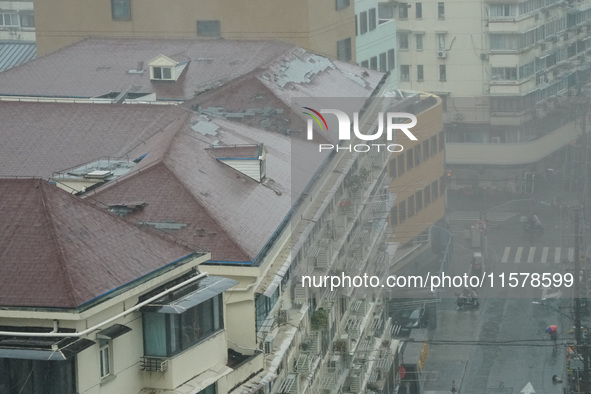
pixel 551 329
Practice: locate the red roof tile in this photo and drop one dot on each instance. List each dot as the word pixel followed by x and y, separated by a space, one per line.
pixel 57 251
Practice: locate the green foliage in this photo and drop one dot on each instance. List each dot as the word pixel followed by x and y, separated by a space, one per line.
pixel 319 320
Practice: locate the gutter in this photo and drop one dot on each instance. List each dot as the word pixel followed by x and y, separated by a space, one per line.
pixel 54 334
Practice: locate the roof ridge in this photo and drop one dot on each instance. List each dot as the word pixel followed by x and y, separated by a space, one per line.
pixel 61 254
pixel 206 209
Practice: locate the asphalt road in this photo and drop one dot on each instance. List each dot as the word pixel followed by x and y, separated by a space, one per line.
pixel 502 346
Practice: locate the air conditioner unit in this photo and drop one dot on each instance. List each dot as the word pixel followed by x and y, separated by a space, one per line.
pixel 150 364
pixel 442 54
pixel 484 56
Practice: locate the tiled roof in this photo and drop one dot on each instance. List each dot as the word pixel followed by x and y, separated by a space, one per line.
pixel 58 251
pixel 93 67
pixel 41 138
pixel 14 53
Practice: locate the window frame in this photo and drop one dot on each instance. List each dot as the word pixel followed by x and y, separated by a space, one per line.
pixel 206 26
pixel 13 17
pixel 105 358
pixel 342 4
pixel 442 73
pixel 116 10
pixel 420 73
pixel 161 73
pixel 405 76
pixel 419 41
pixel 419 10
pixel 344 50
pixel 403 40
pixel 441 10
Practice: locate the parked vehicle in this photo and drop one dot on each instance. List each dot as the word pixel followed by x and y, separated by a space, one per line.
pixel 467 299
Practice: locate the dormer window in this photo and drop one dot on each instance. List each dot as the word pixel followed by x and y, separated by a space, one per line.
pixel 164 68
pixel 164 73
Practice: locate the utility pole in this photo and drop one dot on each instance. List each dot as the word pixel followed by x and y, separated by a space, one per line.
pixel 581 347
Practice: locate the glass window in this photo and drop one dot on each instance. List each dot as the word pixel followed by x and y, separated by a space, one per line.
pixel 9 19
pixel 391 59
pixel 208 29
pixel 441 10
pixel 419 200
pixel 426 150
pixel 168 334
pixel 418 157
pixel 162 73
pixel 441 140
pixel 121 10
pixel 372 19
pixel 383 62
pixel 403 10
pixel 440 40
pixel 427 194
pixel 211 389
pixel 434 191
pixel 442 72
pixel 419 10
pixel 344 49
pixel 402 211
pixel 420 75
pixel 392 168
pixel 401 164
pixel 411 206
pixel 27 19
pixel 373 63
pixel 340 4
pixel 441 185
pixel 365 64
pixel 362 22
pixel 37 377
pixel 419 41
pixel 409 159
pixel 105 357
pixel 433 144
pixel 405 72
pixel 394 215
pixel 403 40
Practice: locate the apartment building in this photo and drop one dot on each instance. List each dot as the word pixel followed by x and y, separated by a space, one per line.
pixel 99 305
pixel 17 21
pixel 325 27
pixel 507 72
pixel 231 170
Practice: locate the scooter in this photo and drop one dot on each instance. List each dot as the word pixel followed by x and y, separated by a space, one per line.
pixel 533 227
pixel 467 301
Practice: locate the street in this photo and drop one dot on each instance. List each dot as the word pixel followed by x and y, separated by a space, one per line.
pixel 502 347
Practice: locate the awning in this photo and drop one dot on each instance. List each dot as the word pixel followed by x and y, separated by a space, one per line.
pixel 49 349
pixel 191 295
pixel 114 331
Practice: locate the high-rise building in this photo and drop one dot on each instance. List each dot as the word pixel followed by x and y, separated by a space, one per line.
pixel 505 70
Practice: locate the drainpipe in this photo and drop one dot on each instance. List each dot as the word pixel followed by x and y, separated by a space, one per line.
pixel 54 334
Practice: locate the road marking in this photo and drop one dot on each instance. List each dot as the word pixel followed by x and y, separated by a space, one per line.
pixel 506 254
pixel 557 255
pixel 545 254
pixel 518 254
pixel 530 256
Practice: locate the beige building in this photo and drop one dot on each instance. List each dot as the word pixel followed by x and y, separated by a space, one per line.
pixel 505 71
pixel 325 27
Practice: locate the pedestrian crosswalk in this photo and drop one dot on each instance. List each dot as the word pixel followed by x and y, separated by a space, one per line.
pixel 537 255
pixel 492 218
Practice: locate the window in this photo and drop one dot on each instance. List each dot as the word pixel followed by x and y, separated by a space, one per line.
pixel 363 22
pixel 403 40
pixel 441 140
pixel 426 150
pixel 442 185
pixel 441 10
pixel 405 72
pixel 418 157
pixel 211 389
pixel 27 19
pixel 391 59
pixel 121 10
pixel 9 19
pixel 504 73
pixel 409 159
pixel 411 206
pixel 37 376
pixel 105 357
pixel 264 304
pixel 383 62
pixel 403 10
pixel 372 19
pixel 344 49
pixel 166 334
pixel 208 29
pixel 433 145
pixel 401 164
pixel 365 64
pixel 427 194
pixel 440 40
pixel 392 168
pixel 420 72
pixel 402 211
pixel 419 200
pixel 394 215
pixel 442 73
pixel 340 4
pixel 373 63
pixel 163 73
pixel 419 10
pixel 419 41
pixel 434 191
